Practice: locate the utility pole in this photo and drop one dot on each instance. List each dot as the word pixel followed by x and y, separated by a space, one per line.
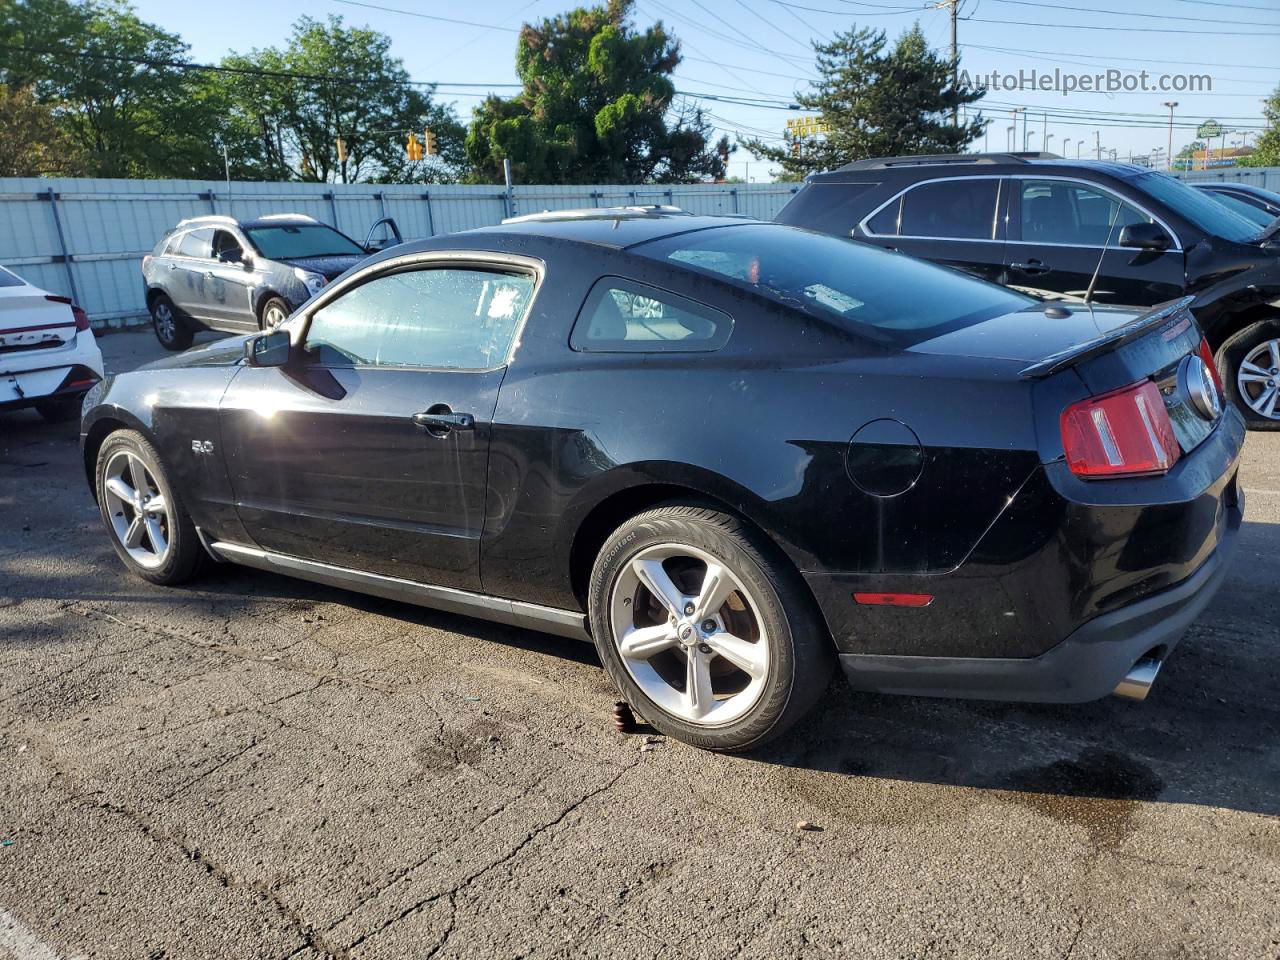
pixel 1097 134
pixel 1044 134
pixel 1170 104
pixel 954 7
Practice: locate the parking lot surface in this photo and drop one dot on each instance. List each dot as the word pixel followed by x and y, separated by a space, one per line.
pixel 252 766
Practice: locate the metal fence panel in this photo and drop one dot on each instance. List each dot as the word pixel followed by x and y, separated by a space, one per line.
pixel 86 238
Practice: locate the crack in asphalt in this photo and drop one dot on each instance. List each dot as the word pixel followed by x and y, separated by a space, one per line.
pixel 471 878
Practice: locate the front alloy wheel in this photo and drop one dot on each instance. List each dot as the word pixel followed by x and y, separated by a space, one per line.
pixel 706 628
pixel 148 526
pixel 138 512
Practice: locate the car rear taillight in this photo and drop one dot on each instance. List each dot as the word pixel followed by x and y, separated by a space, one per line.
pixel 1125 433
pixel 82 318
pixel 1207 356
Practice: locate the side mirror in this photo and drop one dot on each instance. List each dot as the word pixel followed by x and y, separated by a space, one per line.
pixel 1145 236
pixel 267 349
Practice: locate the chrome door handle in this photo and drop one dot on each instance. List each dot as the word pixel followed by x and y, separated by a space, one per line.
pixel 1032 267
pixel 441 423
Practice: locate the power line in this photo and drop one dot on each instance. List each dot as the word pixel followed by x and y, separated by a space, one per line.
pixel 845 13
pixel 1094 26
pixel 773 26
pixel 428 16
pixel 1094 56
pixel 1119 13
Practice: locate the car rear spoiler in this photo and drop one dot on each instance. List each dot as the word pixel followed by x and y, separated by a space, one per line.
pixel 1139 327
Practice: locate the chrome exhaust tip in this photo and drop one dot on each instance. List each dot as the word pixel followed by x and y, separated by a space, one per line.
pixel 1137 682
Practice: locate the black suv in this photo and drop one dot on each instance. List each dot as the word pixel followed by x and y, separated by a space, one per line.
pixel 1046 225
pixel 220 273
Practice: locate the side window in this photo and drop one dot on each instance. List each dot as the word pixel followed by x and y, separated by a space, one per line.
pixel 1057 211
pixel 959 209
pixel 226 247
pixel 195 243
pixel 622 316
pixel 885 223
pixel 450 318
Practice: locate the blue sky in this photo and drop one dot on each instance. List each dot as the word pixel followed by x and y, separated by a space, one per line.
pixel 759 49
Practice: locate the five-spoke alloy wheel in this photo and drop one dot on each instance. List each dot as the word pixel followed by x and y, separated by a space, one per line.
pixel 689 633
pixel 1249 363
pixel 705 628
pixel 150 530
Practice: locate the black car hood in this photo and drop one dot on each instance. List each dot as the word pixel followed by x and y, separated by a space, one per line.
pixel 220 353
pixel 327 267
pixel 1031 334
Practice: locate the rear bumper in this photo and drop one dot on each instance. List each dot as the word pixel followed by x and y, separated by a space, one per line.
pixel 1087 665
pixel 28 376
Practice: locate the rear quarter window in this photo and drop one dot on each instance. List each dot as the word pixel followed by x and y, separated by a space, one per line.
pixel 8 279
pixel 624 316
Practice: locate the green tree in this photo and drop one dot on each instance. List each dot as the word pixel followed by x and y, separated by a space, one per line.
pixel 1266 152
pixel 597 107
pixel 289 107
pixel 123 95
pixel 31 142
pixel 877 101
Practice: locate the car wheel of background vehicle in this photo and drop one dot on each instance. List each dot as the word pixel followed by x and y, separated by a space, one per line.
pixel 60 409
pixel 172 333
pixel 145 519
pixel 708 637
pixel 1249 363
pixel 274 312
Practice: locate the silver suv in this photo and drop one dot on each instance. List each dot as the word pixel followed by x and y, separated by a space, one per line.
pixel 220 273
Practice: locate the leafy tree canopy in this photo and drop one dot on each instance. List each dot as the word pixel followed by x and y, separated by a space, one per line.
pixel 1266 153
pixel 877 100
pixel 597 107
pixel 31 142
pixel 287 127
pixel 117 86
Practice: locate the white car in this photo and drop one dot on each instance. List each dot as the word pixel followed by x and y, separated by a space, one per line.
pixel 48 355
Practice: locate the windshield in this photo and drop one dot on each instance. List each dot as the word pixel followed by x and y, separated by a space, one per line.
pixel 291 241
pixel 1198 207
pixel 1256 214
pixel 887 297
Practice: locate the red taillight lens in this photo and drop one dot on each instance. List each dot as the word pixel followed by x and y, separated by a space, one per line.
pixel 1207 356
pixel 1125 433
pixel 82 318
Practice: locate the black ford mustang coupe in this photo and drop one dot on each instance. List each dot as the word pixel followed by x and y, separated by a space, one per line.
pixel 732 453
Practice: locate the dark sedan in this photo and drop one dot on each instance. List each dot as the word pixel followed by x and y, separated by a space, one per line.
pixel 732 453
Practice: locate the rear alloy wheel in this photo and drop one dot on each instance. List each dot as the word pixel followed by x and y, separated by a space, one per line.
pixel 172 333
pixel 1249 363
pixel 149 529
pixel 710 639
pixel 274 312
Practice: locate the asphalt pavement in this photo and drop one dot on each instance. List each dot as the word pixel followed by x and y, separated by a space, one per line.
pixel 255 767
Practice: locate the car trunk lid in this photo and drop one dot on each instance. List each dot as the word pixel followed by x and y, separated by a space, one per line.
pixel 29 320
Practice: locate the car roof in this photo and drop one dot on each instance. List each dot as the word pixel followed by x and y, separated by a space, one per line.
pixel 974 165
pixel 606 227
pixel 269 220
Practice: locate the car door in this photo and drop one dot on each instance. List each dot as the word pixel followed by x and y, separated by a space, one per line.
pixel 230 281
pixel 369 449
pixel 1060 230
pixel 953 222
pixel 189 286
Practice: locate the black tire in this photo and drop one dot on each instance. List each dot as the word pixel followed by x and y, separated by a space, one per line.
pixel 272 307
pixel 185 555
pixel 171 329
pixel 1232 353
pixel 801 656
pixel 60 409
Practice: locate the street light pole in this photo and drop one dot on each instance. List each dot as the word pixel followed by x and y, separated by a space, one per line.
pixel 1170 104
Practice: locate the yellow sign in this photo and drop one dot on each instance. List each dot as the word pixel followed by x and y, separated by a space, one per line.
pixel 806 126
